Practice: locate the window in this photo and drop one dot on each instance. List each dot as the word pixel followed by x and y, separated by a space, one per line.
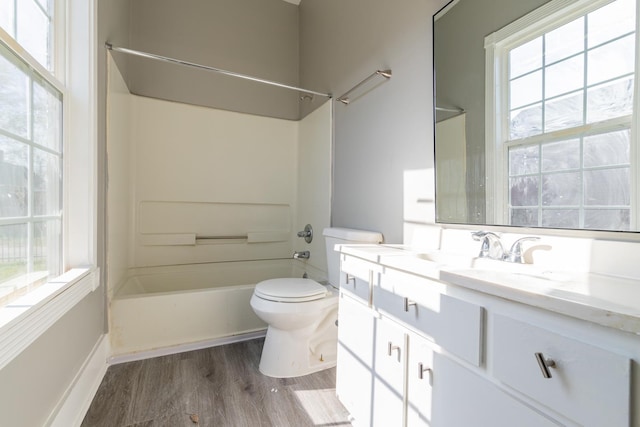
pixel 30 159
pixel 30 23
pixel 48 225
pixel 562 137
pixel 30 178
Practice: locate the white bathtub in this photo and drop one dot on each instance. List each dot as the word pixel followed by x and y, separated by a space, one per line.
pixel 164 307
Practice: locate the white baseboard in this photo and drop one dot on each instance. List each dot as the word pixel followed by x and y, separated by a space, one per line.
pixel 164 351
pixel 75 404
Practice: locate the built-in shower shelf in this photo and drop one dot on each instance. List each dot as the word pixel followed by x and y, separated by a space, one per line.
pixel 191 239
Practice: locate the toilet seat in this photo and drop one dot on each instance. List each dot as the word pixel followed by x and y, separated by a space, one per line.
pixel 290 290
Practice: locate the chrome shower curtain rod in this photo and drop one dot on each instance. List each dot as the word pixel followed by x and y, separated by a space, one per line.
pixel 109 46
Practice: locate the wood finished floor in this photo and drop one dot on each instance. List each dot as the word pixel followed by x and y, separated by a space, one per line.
pixel 219 386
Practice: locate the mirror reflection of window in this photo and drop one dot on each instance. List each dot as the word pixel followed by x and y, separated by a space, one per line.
pixel 566 130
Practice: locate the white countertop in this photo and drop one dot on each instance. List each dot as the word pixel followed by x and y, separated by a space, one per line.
pixel 607 300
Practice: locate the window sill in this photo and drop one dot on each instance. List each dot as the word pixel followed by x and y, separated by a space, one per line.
pixel 28 317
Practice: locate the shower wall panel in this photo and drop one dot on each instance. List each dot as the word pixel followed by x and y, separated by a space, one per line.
pixel 226 178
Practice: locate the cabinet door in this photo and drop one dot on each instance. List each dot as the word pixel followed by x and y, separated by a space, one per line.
pixel 354 382
pixel 419 381
pixel 462 399
pixel 388 384
pixel 587 384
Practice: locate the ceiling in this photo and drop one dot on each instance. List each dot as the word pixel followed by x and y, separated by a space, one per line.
pixel 296 2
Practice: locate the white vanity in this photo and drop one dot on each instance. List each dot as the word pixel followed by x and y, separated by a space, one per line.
pixel 444 340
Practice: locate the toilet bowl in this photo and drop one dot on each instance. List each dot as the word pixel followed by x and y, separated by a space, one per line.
pixel 302 314
pixel 302 333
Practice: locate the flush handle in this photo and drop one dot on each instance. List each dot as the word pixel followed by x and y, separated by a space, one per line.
pixel 545 364
pixel 391 348
pixel 408 303
pixel 422 370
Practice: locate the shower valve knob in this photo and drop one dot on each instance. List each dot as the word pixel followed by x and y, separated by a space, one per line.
pixel 307 233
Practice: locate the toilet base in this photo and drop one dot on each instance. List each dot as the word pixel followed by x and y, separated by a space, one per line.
pixel 288 354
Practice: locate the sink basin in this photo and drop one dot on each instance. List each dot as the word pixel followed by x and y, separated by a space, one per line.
pixel 448 259
pixel 451 260
pixel 504 266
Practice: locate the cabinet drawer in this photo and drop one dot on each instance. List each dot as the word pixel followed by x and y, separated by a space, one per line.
pixel 587 384
pixel 357 277
pixel 453 324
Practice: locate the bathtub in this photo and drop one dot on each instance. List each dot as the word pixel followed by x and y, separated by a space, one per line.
pixel 172 307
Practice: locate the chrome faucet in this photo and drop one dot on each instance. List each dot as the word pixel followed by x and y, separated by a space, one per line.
pixel 491 245
pixel 515 253
pixel 301 255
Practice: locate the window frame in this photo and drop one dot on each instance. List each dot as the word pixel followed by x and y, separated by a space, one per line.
pixel 75 76
pixel 497 45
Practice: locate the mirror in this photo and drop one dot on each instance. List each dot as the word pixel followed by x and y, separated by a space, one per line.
pixel 534 107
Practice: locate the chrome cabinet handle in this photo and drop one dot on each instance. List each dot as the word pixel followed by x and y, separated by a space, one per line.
pixel 545 364
pixel 422 370
pixel 391 348
pixel 350 278
pixel 408 303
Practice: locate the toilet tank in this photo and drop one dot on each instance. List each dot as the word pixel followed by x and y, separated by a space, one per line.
pixel 344 236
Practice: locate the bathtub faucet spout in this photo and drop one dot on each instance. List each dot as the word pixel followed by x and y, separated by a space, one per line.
pixel 301 254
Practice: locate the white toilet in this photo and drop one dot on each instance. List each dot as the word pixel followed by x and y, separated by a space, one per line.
pixel 302 336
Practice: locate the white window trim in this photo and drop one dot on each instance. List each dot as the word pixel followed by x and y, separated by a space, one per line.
pixel 27 318
pixel 80 201
pixel 540 20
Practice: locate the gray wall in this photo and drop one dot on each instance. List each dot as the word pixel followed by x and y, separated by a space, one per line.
pixel 389 130
pixel 254 37
pixel 460 71
pixel 33 384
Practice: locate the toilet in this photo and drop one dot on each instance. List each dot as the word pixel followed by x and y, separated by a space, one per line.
pixel 302 314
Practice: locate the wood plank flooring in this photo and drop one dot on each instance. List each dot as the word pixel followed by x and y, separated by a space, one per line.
pixel 219 386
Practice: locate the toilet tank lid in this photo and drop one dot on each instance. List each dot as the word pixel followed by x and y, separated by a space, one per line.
pixel 352 235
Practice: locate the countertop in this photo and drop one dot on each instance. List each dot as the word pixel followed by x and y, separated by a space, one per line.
pixel 606 300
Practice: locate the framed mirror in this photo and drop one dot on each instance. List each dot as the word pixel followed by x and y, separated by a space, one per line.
pixel 536 114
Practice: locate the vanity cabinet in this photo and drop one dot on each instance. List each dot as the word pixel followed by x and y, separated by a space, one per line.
pixel 388 375
pixel 421 352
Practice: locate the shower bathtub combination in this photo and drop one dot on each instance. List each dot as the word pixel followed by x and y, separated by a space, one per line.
pixel 162 307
